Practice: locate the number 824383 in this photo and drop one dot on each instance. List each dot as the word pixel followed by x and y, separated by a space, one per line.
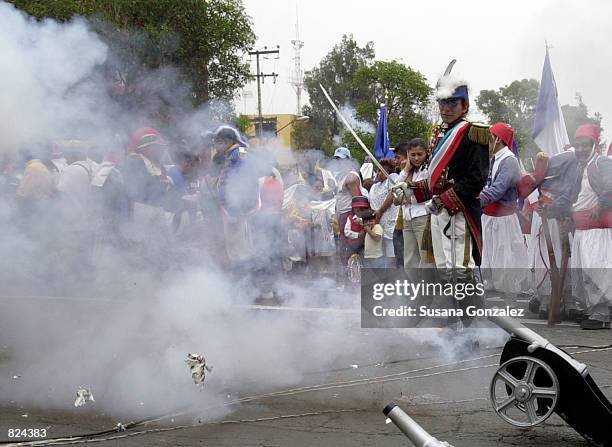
pixel 27 433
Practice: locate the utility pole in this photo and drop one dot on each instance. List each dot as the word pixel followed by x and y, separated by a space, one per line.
pixel 297 80
pixel 260 79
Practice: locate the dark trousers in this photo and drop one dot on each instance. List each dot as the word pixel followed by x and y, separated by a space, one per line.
pixel 398 247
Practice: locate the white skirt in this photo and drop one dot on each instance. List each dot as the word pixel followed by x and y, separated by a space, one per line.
pixel 504 253
pixel 591 264
pixel 538 253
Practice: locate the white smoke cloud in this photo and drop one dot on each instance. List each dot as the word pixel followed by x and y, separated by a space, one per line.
pixel 45 73
pixel 350 114
pixel 125 332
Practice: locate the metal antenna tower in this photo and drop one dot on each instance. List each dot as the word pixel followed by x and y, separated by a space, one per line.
pixel 297 77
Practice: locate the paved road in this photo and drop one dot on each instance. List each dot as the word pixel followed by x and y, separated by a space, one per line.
pixel 450 401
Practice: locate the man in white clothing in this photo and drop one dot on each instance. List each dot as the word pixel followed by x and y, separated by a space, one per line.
pixel 504 252
pixel 592 213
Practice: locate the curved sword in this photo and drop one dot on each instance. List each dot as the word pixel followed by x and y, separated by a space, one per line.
pixel 348 126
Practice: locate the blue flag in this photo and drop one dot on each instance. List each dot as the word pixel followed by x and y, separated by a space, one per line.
pixel 381 145
pixel 549 131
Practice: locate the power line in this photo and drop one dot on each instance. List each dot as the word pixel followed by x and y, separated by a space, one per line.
pixel 261 76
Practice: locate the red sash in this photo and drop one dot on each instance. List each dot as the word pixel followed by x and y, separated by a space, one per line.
pixel 356 227
pixel 496 209
pixel 583 220
pixel 445 150
pixel 443 154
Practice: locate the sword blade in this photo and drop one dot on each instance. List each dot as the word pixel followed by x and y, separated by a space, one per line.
pixel 348 126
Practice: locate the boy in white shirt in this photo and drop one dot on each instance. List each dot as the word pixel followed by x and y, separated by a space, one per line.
pixel 373 254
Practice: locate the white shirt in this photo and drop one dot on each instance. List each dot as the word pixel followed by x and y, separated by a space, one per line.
pixel 378 194
pixel 587 199
pixel 344 197
pixel 373 248
pixel 367 170
pixel 348 232
pixel 500 156
pixel 414 209
pixel 74 187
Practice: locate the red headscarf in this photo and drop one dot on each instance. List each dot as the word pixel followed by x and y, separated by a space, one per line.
pixel 144 137
pixel 504 132
pixel 591 131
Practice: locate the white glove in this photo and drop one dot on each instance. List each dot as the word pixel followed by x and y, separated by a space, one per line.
pixel 432 207
pixel 400 190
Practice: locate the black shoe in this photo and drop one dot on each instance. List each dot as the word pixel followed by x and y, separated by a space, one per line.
pixel 575 315
pixel 593 325
pixel 534 305
pixel 543 314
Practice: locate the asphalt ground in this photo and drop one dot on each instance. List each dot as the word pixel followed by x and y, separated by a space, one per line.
pixel 340 406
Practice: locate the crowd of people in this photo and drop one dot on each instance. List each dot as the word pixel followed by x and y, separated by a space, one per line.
pixel 460 205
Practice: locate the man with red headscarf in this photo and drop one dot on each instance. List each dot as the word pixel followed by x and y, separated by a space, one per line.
pixel 147 188
pixel 146 179
pixel 592 212
pixel 504 252
pixel 549 192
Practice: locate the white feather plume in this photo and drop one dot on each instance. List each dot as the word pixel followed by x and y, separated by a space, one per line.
pixel 447 85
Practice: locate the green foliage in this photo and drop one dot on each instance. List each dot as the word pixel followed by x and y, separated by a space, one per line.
pixel 205 39
pixel 242 123
pixel 577 115
pixel 312 134
pixel 336 73
pixel 357 152
pixel 513 104
pixel 405 93
pixel 352 76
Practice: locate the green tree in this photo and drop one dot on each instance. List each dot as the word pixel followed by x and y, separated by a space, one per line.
pixel 576 115
pixel 513 104
pixel 404 91
pixel 336 73
pixel 242 123
pixel 349 142
pixel 206 40
pixel 312 134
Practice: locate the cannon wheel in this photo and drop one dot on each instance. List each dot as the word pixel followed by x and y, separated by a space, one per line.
pixel 528 393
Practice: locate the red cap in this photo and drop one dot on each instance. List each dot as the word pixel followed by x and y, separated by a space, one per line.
pixel 360 202
pixel 591 131
pixel 144 137
pixel 504 132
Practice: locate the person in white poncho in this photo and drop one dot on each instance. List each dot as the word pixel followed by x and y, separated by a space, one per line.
pixel 504 252
pixel 592 213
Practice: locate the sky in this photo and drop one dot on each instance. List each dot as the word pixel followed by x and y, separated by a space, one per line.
pixel 494 43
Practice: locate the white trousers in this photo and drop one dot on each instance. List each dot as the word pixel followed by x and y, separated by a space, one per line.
pixel 504 254
pixel 442 244
pixel 538 253
pixel 591 264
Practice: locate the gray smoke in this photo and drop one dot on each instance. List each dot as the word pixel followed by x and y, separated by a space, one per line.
pixel 124 330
